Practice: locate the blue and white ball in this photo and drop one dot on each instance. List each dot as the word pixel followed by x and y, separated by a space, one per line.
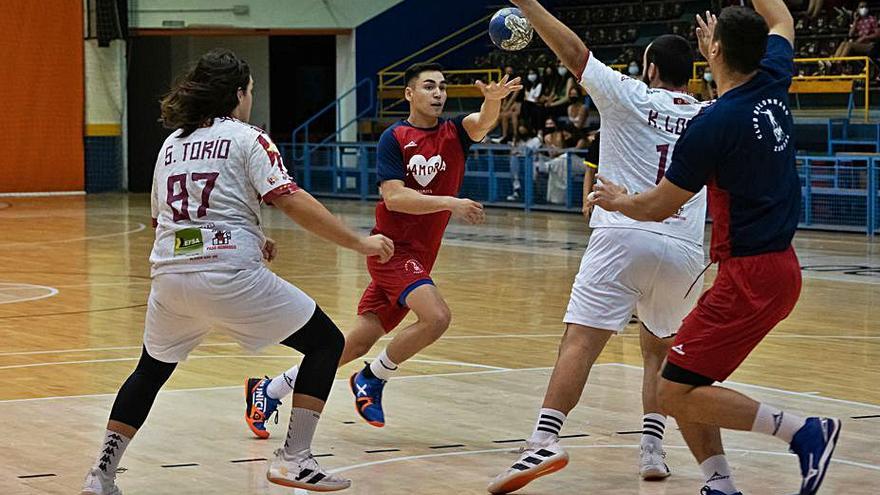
pixel 510 30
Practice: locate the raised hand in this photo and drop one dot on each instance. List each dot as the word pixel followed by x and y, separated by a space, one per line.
pixel 499 90
pixel 706 32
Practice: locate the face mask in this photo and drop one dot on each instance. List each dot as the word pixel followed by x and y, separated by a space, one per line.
pixel 533 77
pixel 562 71
pixel 707 76
pixel 633 70
pixel 863 11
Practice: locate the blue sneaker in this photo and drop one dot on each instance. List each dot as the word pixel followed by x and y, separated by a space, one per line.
pixel 368 398
pixel 708 491
pixel 260 407
pixel 814 443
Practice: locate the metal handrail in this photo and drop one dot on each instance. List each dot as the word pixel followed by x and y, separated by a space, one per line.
pixel 304 127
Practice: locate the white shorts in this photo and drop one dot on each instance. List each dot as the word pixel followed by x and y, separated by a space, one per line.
pixel 630 271
pixel 255 307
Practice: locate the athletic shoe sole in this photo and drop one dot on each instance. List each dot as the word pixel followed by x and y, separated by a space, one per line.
pixel 524 478
pixel 655 474
pixel 305 486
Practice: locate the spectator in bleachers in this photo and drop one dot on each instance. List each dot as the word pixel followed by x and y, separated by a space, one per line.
pixel 578 109
pixel 528 142
pixel 510 111
pixel 863 33
pixel 557 95
pixel 531 111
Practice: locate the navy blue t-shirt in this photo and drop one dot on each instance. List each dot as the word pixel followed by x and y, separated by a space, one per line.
pixel 742 149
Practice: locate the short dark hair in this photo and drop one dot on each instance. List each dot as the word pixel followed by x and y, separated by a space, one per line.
pixel 743 37
pixel 673 57
pixel 415 70
pixel 208 89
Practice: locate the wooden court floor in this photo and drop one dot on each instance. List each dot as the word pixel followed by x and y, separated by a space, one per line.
pixel 74 279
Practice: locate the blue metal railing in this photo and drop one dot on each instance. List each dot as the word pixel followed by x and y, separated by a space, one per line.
pixel 838 192
pixel 335 104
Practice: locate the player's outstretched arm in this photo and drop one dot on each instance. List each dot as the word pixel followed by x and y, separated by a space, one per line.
pixel 653 205
pixel 402 199
pixel 479 124
pixel 307 211
pixel 570 49
pixel 778 17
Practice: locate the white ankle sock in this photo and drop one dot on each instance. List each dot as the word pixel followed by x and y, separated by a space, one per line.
pixel 779 424
pixel 383 367
pixel 112 450
pixel 653 429
pixel 717 473
pixel 282 385
pixel 300 432
pixel 548 426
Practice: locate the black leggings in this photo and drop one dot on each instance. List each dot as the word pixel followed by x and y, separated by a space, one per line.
pixel 319 340
pixel 321 343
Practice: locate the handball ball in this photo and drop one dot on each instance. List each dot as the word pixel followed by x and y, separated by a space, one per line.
pixel 510 30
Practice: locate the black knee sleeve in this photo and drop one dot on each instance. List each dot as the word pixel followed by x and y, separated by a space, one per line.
pixel 135 398
pixel 321 343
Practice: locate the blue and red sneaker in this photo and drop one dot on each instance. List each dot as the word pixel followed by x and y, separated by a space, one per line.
pixel 260 407
pixel 814 444
pixel 367 392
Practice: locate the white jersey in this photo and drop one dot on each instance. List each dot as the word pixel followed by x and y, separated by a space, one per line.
pixel 640 127
pixel 207 191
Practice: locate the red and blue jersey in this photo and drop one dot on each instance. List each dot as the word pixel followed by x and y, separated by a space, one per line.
pixel 742 149
pixel 431 161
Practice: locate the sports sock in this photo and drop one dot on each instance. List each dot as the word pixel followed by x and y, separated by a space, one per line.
pixel 717 473
pixel 300 432
pixel 653 428
pixel 547 427
pixel 779 424
pixel 282 385
pixel 382 367
pixel 113 448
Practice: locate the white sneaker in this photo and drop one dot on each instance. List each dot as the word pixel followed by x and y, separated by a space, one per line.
pixel 304 473
pixel 652 464
pixel 534 461
pixel 98 484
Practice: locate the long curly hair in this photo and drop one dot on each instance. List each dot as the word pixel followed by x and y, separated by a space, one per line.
pixel 207 90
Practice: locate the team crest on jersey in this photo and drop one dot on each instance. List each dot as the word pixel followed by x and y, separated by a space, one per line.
pixel 424 169
pixel 413 266
pixel 769 114
pixel 271 151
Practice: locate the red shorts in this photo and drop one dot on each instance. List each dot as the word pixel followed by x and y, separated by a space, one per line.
pixel 392 282
pixel 749 297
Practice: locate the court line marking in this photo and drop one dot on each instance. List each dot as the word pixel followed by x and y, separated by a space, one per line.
pixel 352 467
pixel 238 387
pixel 233 356
pixel 21 285
pixel 808 395
pixel 140 227
pixel 445 337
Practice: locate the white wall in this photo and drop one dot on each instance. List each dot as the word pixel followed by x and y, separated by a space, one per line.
pixel 345 80
pixel 104 73
pixel 278 14
pixel 185 50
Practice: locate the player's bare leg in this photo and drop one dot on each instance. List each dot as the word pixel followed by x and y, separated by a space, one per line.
pixel 542 455
pixel 651 455
pixel 713 407
pixel 366 332
pixel 433 320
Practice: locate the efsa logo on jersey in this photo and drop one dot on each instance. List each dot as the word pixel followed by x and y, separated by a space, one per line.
pixel 424 170
pixel 771 112
pixel 271 151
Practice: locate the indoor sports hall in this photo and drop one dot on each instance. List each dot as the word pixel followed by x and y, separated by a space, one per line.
pixel 80 140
